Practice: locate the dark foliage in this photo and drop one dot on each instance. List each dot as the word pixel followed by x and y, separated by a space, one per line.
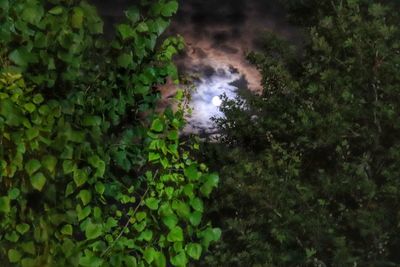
pixel 310 169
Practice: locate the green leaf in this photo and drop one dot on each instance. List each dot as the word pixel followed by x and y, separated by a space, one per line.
pixel 169 8
pixel 197 204
pixel 67 153
pixel 90 260
pixel 160 260
pixel 142 27
pixel 211 181
pixel 19 57
pixel 4 204
pixel 191 172
pixel 149 254
pixel 153 156
pixel 22 57
pixel 32 133
pixel 32 166
pixel 12 237
pixel 195 218
pixel 68 166
pixel 69 189
pixel 83 213
pixel 152 203
pixel 181 208
pixel 49 162
pixel 188 190
pixel 146 235
pixel 125 31
pixel 111 223
pixel 56 10
pixel 14 256
pixel 80 177
pixel 157 125
pixel 12 114
pixel 85 196
pixel 91 121
pixel 30 107
pixel 77 18
pixel 100 188
pixel 28 247
pixel 23 228
pixel 142 89
pixel 93 231
pixel 38 181
pixel 160 25
pixel 133 14
pixel 97 213
pixel 209 235
pixel 173 135
pixel 175 235
pixel 130 261
pixel 101 168
pixel 179 260
pixel 14 193
pixel 32 12
pixel 37 99
pixel 125 60
pixel 179 94
pixel 67 229
pixel 170 220
pixel 194 250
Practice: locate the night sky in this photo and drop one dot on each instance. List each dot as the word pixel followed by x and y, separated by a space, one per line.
pixel 218 34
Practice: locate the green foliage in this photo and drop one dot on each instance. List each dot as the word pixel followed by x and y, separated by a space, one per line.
pixel 309 168
pixel 90 175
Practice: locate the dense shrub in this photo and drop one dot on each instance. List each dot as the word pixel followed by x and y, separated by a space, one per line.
pixel 90 175
pixel 310 169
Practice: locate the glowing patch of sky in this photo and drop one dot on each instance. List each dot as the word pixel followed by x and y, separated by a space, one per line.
pixel 205 100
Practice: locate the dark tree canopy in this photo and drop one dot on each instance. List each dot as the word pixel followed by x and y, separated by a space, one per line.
pixel 310 168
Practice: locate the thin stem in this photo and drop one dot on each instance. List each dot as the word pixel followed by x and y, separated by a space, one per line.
pixel 126 224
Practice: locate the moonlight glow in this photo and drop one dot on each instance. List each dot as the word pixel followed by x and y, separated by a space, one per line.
pixel 205 99
pixel 216 101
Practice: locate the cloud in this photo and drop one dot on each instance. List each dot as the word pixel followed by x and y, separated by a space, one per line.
pixel 218 35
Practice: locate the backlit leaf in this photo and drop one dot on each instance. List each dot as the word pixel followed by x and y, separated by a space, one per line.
pixel 125 31
pixel 77 18
pixel 14 256
pixel 149 254
pixel 56 10
pixel 93 231
pixel 157 125
pixel 194 250
pixel 80 177
pixel 4 204
pixel 152 203
pixel 85 196
pixel 23 228
pixel 49 162
pixel 195 218
pixel 191 172
pixel 67 229
pixel 169 8
pixel 132 14
pixel 179 260
pixel 38 181
pixel 32 166
pixel 175 235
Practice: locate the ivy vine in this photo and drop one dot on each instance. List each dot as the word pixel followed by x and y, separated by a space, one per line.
pixel 90 175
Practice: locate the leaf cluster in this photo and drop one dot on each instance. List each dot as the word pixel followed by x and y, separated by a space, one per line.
pixel 310 167
pixel 90 175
